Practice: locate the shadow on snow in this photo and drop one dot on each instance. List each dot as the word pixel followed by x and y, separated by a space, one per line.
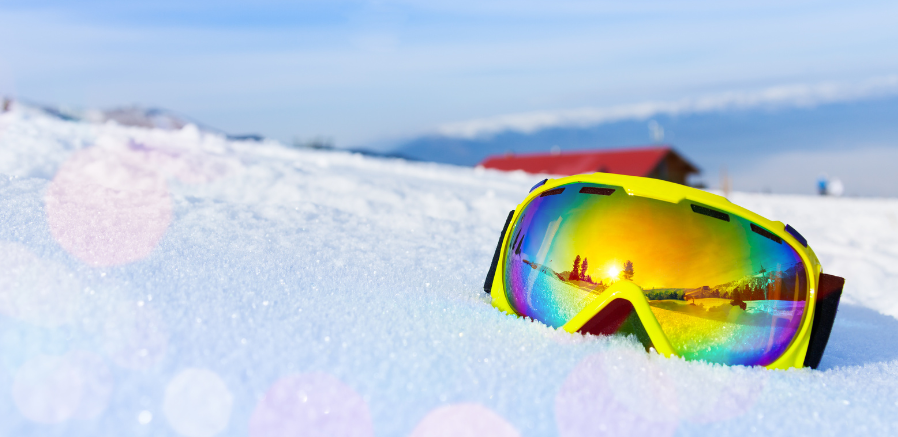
pixel 860 336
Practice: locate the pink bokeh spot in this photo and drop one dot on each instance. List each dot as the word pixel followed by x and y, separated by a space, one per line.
pixel 107 206
pixel 312 405
pixel 110 205
pixel 53 389
pixel 733 392
pixel 463 420
pixel 621 395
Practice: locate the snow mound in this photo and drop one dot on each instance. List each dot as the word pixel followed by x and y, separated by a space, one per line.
pixel 160 282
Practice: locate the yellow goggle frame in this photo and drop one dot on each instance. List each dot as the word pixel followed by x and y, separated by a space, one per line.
pixel 793 356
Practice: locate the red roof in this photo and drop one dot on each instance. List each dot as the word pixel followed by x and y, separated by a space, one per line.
pixel 637 161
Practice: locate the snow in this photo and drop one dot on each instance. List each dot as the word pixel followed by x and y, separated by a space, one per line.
pixel 175 283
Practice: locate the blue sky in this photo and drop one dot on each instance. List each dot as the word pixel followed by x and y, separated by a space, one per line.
pixel 369 72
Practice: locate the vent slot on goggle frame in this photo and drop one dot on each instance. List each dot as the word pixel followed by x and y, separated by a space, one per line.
pixel 710 212
pixel 765 233
pixel 597 190
pixel 551 192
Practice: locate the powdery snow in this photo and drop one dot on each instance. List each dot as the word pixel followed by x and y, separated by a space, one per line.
pixel 175 283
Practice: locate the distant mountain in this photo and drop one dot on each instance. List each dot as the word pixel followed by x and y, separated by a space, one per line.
pixel 145 117
pixel 736 138
pixel 137 116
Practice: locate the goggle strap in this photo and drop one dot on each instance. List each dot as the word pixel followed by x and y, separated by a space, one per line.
pixel 828 295
pixel 488 283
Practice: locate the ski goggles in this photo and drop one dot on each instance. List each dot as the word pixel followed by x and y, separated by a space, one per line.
pixel 684 271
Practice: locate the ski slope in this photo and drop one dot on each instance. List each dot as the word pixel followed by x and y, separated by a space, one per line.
pixel 173 283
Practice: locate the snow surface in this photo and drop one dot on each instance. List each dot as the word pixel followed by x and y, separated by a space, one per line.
pixel 174 283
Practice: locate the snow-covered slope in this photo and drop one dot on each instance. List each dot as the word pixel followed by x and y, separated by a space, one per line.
pixel 175 283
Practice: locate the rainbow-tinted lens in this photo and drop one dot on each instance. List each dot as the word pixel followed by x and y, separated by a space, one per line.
pixel 722 288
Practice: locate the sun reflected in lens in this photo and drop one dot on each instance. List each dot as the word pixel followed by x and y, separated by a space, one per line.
pixel 613 272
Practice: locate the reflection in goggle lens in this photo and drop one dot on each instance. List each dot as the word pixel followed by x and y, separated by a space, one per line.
pixel 722 288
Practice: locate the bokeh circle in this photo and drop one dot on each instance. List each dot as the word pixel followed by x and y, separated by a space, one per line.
pixel 106 207
pixel 311 405
pixel 53 389
pixel 621 393
pixel 36 291
pixel 197 403
pixel 463 420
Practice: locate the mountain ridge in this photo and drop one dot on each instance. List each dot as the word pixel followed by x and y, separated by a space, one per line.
pixel 729 137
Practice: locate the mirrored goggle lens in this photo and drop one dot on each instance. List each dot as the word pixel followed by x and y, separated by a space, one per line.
pixel 722 288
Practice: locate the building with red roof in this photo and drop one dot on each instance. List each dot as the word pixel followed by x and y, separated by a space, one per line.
pixel 659 162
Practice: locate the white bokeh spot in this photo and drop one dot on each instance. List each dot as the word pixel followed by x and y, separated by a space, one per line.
pixel 53 389
pixel 197 403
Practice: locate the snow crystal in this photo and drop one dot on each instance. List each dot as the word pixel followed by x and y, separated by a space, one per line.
pixel 175 283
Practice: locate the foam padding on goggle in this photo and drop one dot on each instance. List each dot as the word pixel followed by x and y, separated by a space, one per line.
pixel 491 274
pixel 828 295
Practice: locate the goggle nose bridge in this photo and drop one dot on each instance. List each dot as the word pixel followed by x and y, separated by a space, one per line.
pixel 605 309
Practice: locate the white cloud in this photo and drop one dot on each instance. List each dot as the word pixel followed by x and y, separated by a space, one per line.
pixel 785 95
